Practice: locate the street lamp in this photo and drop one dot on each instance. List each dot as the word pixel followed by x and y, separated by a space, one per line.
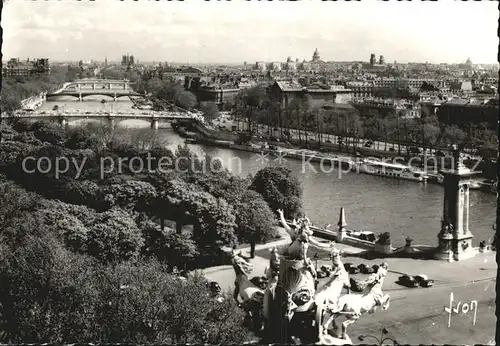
pixel 381 340
pixel 316 258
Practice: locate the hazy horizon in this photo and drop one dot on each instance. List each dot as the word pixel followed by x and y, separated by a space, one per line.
pixel 193 32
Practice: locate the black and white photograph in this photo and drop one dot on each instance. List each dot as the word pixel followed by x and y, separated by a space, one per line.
pixel 249 172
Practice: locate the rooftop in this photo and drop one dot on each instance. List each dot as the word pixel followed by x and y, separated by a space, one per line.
pixel 294 86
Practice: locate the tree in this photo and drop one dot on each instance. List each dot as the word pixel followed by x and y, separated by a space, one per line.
pixel 50 132
pixel 131 195
pixel 210 111
pixel 186 100
pixel 280 189
pixel 255 220
pixel 145 139
pixel 454 135
pixel 167 246
pixel 250 100
pixel 112 73
pixel 50 295
pixel 114 237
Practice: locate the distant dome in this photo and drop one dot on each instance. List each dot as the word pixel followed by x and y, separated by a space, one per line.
pixel 316 56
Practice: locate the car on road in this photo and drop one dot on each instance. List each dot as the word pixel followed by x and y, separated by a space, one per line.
pixel 414 150
pixel 351 268
pixel 364 269
pixel 408 281
pixel 326 270
pixel 424 281
pixel 368 144
pixel 88 112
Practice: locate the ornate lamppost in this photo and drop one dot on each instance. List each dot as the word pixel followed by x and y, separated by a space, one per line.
pixel 381 340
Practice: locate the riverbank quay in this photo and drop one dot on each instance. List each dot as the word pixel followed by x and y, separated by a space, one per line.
pixel 432 164
pixel 34 102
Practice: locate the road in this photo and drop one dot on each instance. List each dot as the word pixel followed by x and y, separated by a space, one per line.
pixel 417 315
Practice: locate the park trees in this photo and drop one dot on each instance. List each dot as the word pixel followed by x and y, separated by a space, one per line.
pixel 210 111
pixel 250 101
pixel 255 222
pixel 131 195
pixel 280 189
pixel 50 294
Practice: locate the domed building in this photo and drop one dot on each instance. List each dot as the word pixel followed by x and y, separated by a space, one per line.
pixel 316 56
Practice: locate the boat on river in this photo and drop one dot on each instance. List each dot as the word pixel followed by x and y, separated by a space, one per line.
pixel 489 186
pixel 390 170
pixel 473 184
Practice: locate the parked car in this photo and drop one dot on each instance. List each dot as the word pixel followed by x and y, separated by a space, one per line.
pixel 321 274
pixel 408 281
pixel 327 269
pixel 368 144
pixel 375 268
pixel 364 269
pixel 414 150
pixel 424 281
pixel 351 268
pixel 259 281
pixel 328 141
pixel 348 266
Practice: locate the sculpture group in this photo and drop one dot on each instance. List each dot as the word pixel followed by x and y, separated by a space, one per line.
pixel 289 308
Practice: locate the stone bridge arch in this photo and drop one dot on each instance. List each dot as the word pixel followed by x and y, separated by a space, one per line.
pixel 133 122
pixel 72 122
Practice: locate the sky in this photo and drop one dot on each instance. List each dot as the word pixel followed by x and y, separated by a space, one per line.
pixel 196 31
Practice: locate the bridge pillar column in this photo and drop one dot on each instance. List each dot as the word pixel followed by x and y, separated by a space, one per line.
pixel 79 86
pixel 93 86
pixel 111 122
pixel 80 97
pixel 114 97
pixel 154 124
pixel 108 85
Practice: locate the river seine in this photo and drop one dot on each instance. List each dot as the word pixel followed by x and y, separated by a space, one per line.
pixel 403 208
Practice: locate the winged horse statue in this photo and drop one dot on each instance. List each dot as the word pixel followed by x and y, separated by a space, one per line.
pixel 354 305
pixel 328 295
pixel 295 287
pixel 244 289
pixel 272 275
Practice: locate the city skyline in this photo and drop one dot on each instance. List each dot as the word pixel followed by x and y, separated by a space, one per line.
pixel 234 32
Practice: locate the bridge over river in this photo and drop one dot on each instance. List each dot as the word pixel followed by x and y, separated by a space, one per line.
pixel 95 87
pixel 112 118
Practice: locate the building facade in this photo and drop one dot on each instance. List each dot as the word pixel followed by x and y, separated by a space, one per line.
pixel 285 92
pixel 15 67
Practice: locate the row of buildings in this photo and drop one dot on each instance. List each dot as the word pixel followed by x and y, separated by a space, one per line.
pixel 17 68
